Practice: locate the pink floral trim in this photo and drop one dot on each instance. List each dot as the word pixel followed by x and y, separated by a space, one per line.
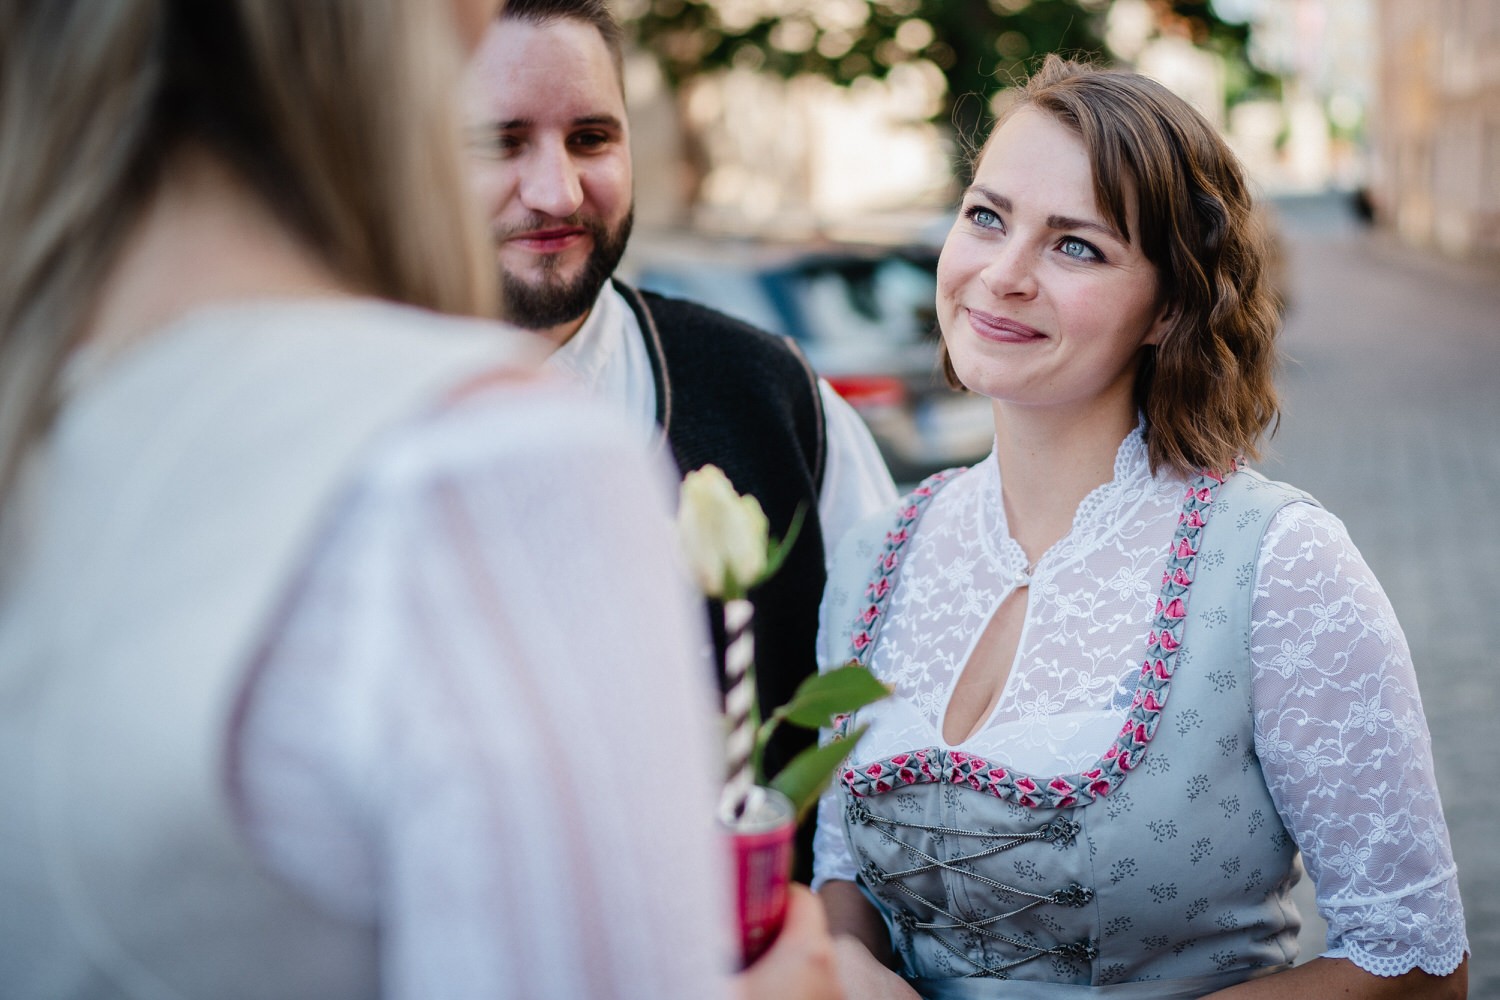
pixel 934 764
pixel 867 624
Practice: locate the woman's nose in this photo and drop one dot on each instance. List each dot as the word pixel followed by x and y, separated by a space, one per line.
pixel 1012 270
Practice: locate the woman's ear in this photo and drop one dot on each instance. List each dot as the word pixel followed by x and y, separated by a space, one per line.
pixel 1165 317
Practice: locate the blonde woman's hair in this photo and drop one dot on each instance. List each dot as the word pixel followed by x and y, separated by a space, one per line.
pixel 340 114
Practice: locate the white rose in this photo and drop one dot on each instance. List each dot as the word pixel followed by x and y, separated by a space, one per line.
pixel 724 536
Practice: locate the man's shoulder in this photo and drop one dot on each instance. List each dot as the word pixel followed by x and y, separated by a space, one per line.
pixel 684 321
pixel 728 390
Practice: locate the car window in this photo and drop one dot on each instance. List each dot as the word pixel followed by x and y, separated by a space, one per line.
pixel 888 301
pixel 731 290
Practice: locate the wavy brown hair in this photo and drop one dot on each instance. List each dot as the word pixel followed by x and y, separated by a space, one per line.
pixel 340 114
pixel 1207 391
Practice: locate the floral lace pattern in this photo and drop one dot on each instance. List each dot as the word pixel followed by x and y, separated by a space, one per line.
pixel 1123 755
pixel 1340 734
pixel 867 626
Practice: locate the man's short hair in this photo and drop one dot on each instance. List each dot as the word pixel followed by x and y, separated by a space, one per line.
pixel 594 12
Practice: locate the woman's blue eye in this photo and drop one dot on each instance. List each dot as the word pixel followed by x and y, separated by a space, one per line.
pixel 983 217
pixel 1078 249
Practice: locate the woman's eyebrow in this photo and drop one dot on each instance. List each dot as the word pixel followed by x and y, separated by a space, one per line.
pixel 999 201
pixel 1067 222
pixel 1053 221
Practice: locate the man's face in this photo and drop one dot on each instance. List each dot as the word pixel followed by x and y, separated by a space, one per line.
pixel 552 166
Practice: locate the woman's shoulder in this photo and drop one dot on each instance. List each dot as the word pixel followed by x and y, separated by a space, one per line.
pixel 1295 528
pixel 873 548
pixel 314 318
pixel 490 404
pixel 869 535
pixel 1255 488
pixel 511 425
pixel 1248 501
pixel 375 326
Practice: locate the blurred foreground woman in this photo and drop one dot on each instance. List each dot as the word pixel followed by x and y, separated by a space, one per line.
pixel 315 676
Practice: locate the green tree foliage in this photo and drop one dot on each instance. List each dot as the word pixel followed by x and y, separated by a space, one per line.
pixel 1200 23
pixel 980 46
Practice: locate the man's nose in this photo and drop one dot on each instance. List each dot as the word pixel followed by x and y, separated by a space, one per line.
pixel 551 183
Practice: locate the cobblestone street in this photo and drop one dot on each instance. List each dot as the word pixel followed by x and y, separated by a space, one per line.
pixel 1391 417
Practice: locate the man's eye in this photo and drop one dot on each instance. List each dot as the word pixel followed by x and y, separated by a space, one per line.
pixel 489 144
pixel 590 140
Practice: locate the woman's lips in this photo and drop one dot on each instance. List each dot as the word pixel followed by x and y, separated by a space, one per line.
pixel 1002 330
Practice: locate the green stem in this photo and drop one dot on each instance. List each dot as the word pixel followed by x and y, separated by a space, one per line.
pixel 763 731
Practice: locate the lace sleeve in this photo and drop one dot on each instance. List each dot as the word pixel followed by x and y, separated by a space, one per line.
pixel 831 857
pixel 483 727
pixel 1346 750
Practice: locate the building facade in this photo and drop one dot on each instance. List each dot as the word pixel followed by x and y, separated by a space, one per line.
pixel 1435 131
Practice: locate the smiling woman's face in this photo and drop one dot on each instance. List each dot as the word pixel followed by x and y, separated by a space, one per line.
pixel 1042 302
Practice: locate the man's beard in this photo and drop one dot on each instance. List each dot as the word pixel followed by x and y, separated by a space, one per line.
pixel 552 301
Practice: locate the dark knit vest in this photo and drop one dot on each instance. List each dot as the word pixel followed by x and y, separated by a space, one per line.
pixel 747 401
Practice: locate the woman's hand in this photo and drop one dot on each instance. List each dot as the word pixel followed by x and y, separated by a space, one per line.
pixel 799 965
pixel 862 945
pixel 863 977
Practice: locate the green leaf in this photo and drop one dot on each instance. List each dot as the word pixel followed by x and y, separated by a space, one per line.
pixel 821 697
pixel 804 779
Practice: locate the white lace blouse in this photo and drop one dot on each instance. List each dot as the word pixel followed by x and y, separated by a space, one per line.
pixel 1338 720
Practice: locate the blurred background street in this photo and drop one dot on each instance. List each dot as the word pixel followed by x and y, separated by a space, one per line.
pixel 1391 418
pixel 797 163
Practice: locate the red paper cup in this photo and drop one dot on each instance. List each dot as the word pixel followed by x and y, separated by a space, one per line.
pixel 761 839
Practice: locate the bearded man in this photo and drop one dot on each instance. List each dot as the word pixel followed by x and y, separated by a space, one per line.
pixel 553 169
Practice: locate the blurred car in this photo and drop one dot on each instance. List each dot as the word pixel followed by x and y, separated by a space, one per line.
pixel 864 316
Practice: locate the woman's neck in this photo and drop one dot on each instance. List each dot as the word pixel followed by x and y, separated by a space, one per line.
pixel 204 239
pixel 1049 463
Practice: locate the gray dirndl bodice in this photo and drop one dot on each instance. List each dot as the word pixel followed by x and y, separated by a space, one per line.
pixel 1163 870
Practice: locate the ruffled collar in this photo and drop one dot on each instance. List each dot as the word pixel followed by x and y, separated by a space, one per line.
pixel 1101 513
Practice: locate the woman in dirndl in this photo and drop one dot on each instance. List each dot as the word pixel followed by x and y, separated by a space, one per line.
pixel 1137 686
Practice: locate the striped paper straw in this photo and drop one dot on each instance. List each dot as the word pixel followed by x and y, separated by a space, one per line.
pixel 739 700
